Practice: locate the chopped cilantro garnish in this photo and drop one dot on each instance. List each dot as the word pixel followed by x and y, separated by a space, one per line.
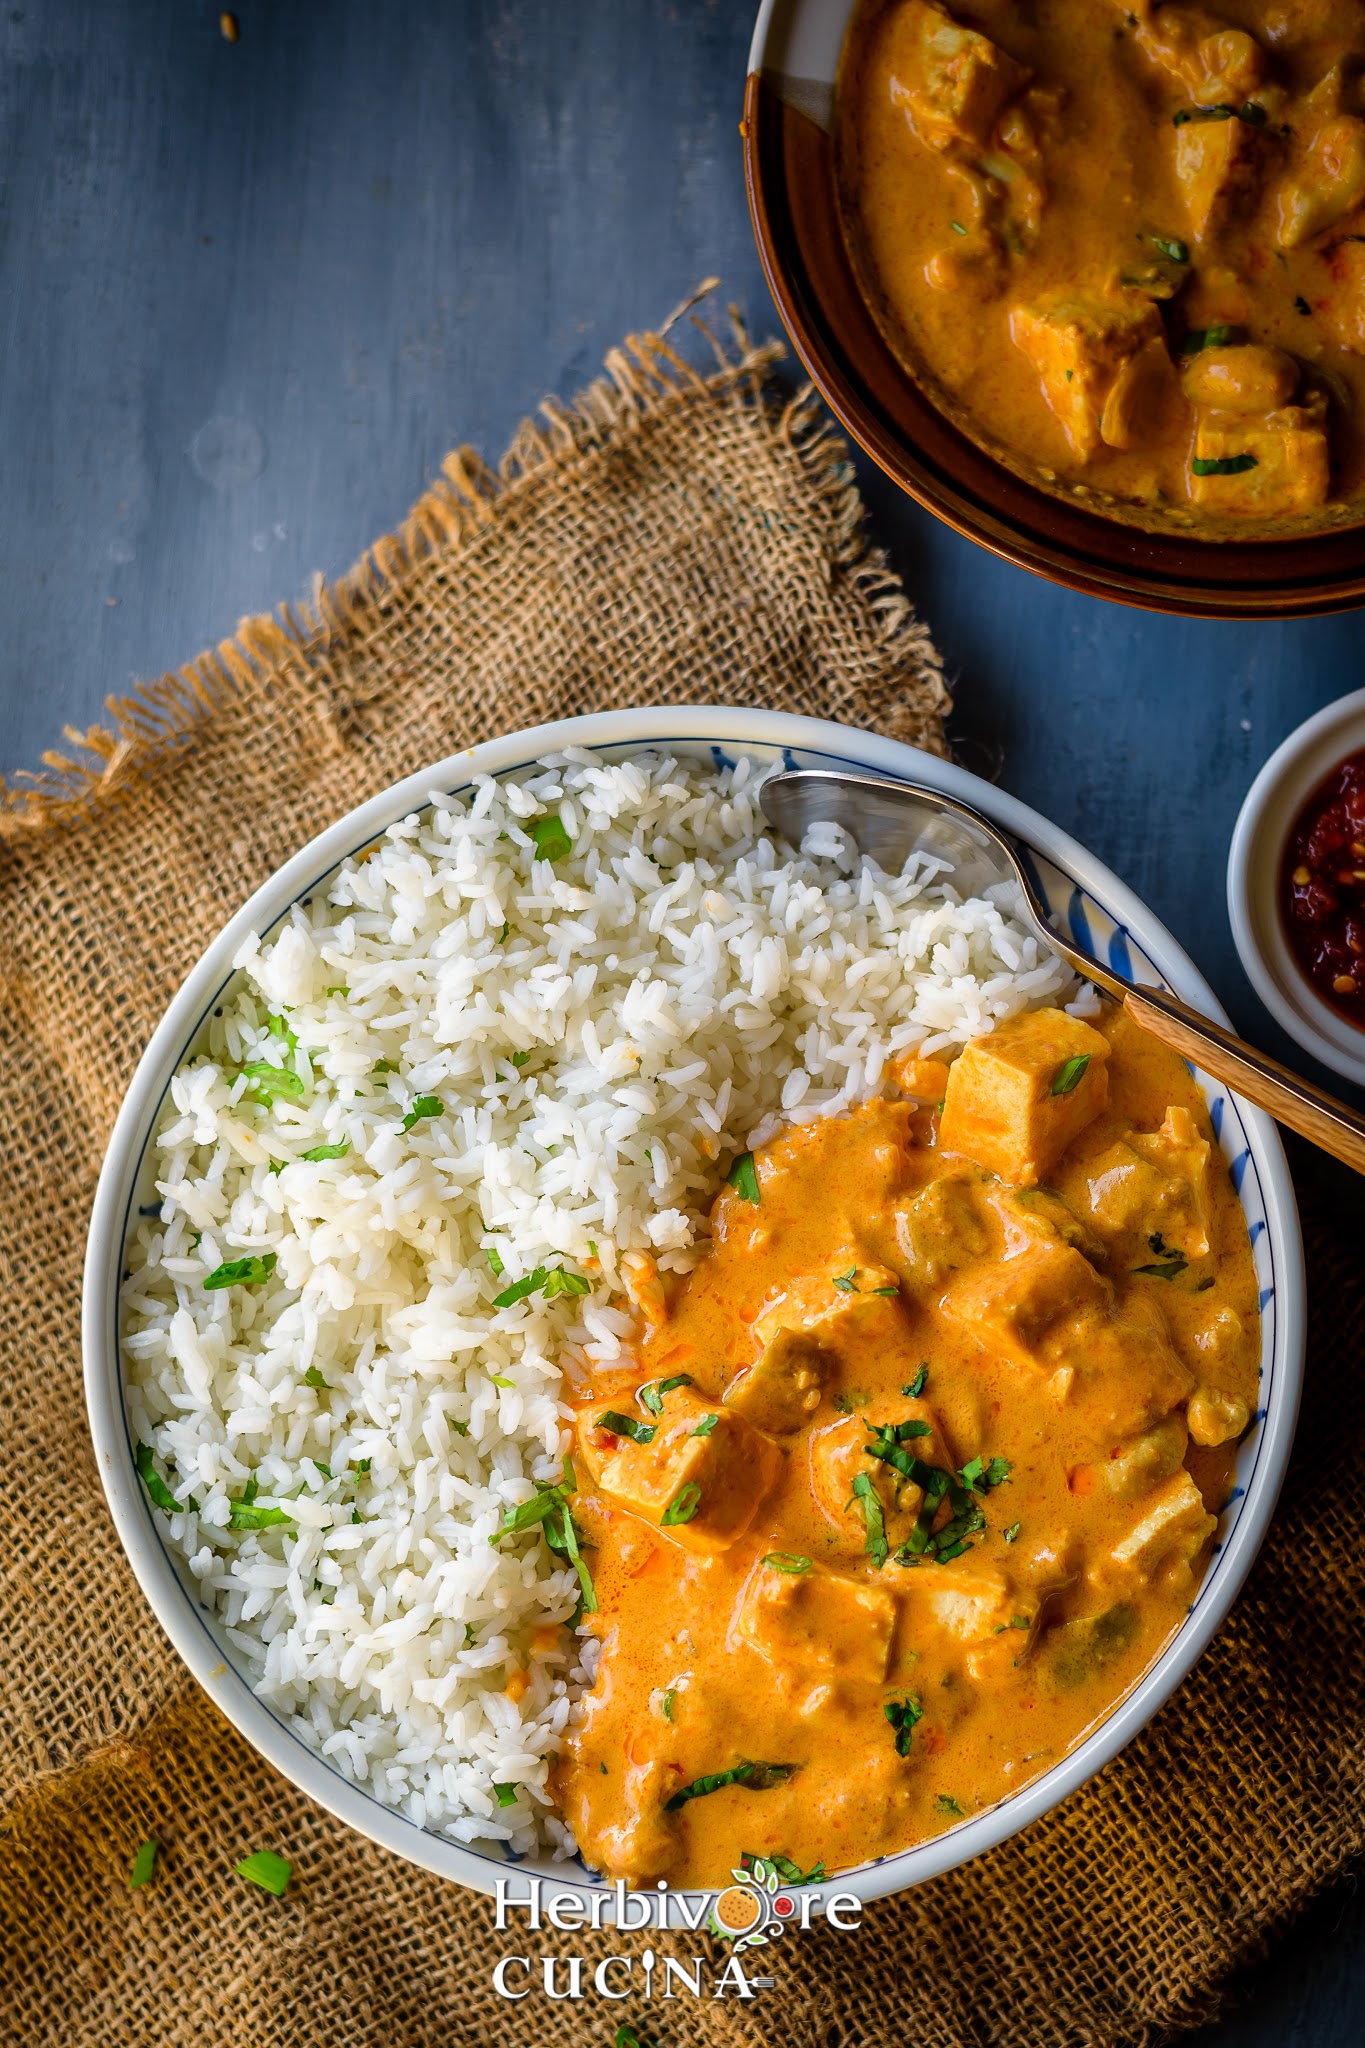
pixel 559 1280
pixel 500 1379
pixel 158 1492
pixel 753 1777
pixel 1222 465
pixel 903 1715
pixel 552 1280
pixel 847 1283
pixel 549 1511
pixel 144 1863
pixel 268 1081
pixel 425 1106
pixel 506 1795
pixel 248 1272
pixel 626 1425
pixel 265 1868
pixel 666 1703
pixel 1168 246
pixel 495 1263
pixel 787 1561
pixel 519 1059
pixel 318 1152
pixel 865 1496
pixel 1068 1075
pixel 651 1395
pixel 1169 1269
pixel 945 1803
pixel 916 1386
pixel 705 1426
pixel 313 1378
pixel 886 1290
pixel 743 1177
pixel 244 1514
pixel 552 842
pixel 1012 1532
pixel 1021 1621
pixel 384 1067
pixel 682 1507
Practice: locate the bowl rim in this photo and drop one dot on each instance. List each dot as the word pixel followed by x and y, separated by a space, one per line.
pixel 944 469
pixel 1303 759
pixel 694 726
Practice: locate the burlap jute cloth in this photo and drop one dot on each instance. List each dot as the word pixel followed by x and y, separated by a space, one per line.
pixel 672 537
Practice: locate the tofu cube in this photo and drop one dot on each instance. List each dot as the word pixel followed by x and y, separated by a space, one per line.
pixel 813 1304
pixel 1219 167
pixel 1329 184
pixel 1341 308
pixel 1152 1197
pixel 972 1608
pixel 810 1625
pixel 1017 1097
pixel 1265 468
pixel 1078 347
pixel 1018 1305
pixel 1172 1529
pixel 1144 1462
pixel 699 1490
pixel 949 81
pixel 785 1385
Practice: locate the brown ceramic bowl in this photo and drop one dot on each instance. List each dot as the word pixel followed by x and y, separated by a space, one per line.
pixel 789 165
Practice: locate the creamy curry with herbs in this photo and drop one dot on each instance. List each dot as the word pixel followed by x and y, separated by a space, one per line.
pixel 915 1473
pixel 1124 242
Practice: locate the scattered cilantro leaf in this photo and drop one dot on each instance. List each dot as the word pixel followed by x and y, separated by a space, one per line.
pixel 144 1863
pixel 313 1378
pixel 865 1496
pixel 903 1715
pixel 550 838
pixel 158 1492
pixel 495 1263
pixel 682 1507
pixel 743 1178
pixel 506 1795
pixel 1068 1075
pixel 319 1152
pixel 847 1283
pixel 787 1561
pixel 264 1868
pixel 425 1106
pixel 267 1082
pixel 754 1777
pixel 626 1425
pixel 248 1272
pixel 705 1426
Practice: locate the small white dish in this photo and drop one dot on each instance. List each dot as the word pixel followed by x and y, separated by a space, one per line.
pixel 1101 915
pixel 1256 855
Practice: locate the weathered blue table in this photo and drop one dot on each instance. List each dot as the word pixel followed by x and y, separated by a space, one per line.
pixel 250 294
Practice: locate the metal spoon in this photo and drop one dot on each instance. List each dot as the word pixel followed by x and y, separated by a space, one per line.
pixel 888 821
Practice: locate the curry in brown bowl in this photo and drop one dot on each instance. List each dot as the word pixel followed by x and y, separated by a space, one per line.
pixel 1122 242
pixel 912 1477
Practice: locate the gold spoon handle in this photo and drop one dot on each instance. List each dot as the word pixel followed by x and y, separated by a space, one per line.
pixel 1310 1111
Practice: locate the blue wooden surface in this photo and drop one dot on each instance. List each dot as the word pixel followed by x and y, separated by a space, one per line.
pixel 251 294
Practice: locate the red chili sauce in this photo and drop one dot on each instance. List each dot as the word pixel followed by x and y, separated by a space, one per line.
pixel 1322 888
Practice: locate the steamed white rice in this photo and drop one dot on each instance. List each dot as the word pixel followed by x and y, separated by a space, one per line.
pixel 603 1032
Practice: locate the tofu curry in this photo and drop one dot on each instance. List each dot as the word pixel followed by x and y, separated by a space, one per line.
pixel 1123 242
pixel 913 1475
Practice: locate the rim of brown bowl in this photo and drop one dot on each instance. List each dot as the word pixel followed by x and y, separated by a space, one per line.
pixel 793 203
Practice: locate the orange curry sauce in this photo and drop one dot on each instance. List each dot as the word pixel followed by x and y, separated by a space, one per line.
pixel 911 1477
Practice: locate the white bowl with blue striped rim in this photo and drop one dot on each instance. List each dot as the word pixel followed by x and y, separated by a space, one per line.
pixel 1086 899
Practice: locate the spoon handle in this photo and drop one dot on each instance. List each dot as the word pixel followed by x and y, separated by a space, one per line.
pixel 1310 1111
